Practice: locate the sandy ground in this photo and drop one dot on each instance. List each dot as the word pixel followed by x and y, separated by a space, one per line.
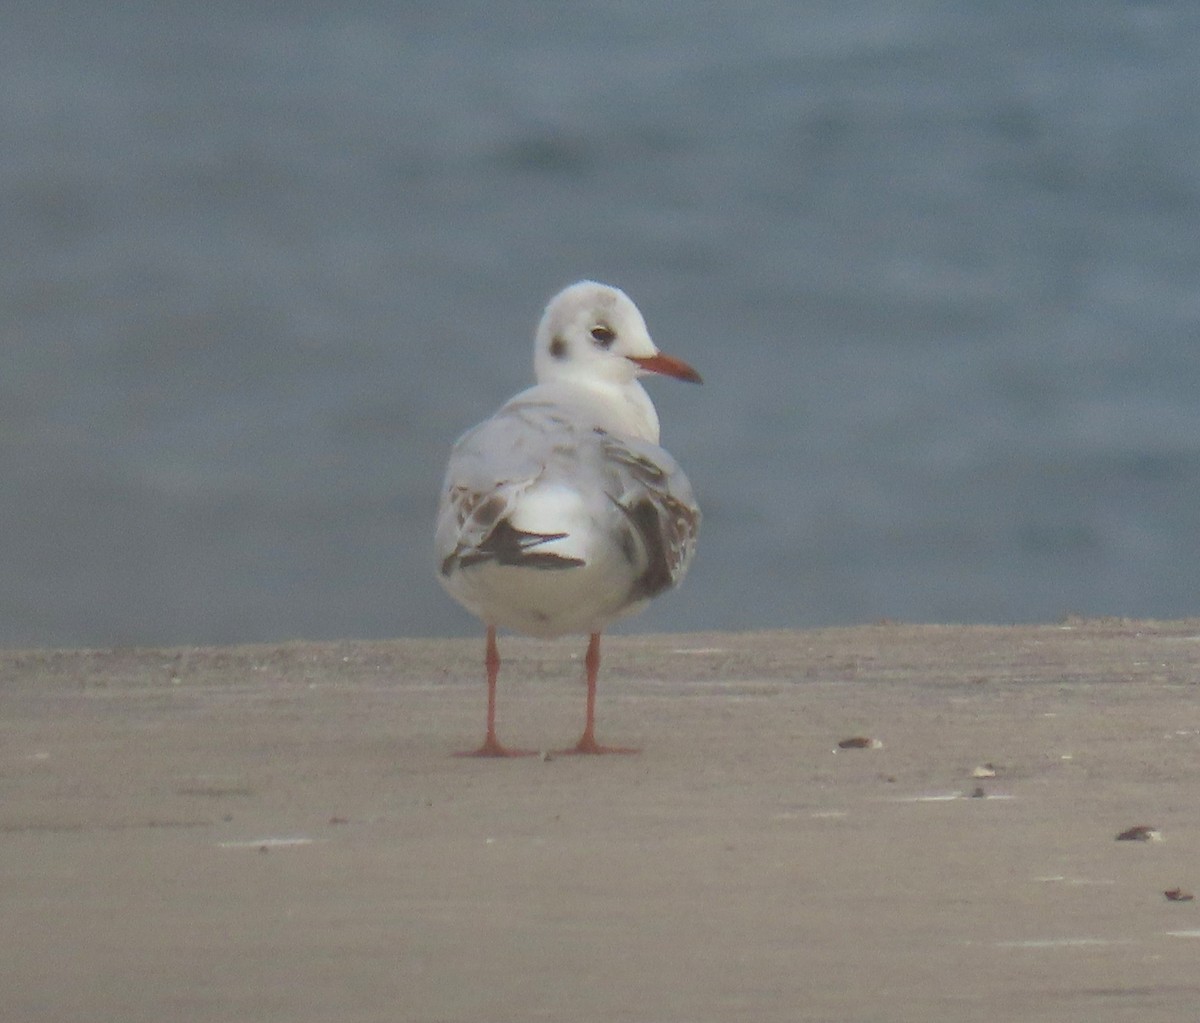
pixel 282 834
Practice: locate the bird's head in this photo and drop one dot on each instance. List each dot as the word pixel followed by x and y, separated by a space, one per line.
pixel 594 332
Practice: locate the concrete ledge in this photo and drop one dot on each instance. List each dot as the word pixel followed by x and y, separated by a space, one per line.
pixel 280 832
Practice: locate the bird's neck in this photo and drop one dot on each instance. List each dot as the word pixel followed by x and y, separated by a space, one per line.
pixel 637 410
pixel 623 408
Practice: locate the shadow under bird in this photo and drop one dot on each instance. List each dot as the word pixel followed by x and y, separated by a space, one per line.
pixel 561 513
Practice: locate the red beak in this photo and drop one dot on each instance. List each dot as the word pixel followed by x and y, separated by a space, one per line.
pixel 667 365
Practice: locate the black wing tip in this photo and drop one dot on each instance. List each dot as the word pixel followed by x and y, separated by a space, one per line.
pixel 507 545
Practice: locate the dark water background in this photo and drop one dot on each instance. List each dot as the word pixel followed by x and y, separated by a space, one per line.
pixel 938 262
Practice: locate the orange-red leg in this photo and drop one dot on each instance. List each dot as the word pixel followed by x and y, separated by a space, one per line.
pixel 587 742
pixel 491 745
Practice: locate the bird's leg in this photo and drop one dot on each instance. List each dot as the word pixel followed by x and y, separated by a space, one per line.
pixel 491 745
pixel 587 742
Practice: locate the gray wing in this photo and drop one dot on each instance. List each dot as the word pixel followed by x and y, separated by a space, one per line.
pixel 490 467
pixel 657 502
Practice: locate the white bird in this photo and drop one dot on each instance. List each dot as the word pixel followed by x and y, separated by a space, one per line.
pixel 561 513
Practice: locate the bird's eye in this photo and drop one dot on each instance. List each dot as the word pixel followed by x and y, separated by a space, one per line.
pixel 603 335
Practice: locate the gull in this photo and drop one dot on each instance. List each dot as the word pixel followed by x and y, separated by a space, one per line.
pixel 561 513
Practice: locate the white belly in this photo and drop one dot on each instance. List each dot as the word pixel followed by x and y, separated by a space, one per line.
pixel 548 602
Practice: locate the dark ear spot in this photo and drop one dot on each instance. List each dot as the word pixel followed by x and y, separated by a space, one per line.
pixel 558 348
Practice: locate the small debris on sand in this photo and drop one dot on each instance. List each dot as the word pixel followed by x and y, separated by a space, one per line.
pixel 1140 833
pixel 860 742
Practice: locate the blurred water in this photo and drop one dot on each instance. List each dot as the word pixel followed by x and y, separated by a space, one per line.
pixel 260 266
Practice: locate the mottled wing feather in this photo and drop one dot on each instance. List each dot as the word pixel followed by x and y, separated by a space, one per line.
pixel 657 500
pixel 473 520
